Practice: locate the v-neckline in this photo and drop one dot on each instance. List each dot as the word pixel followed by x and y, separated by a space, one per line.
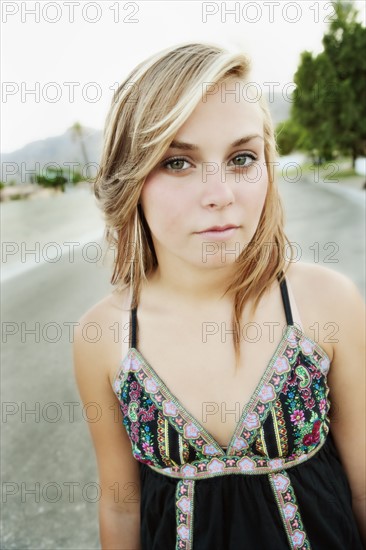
pixel 172 397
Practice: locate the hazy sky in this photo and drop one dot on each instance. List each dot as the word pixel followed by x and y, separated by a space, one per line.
pixel 73 53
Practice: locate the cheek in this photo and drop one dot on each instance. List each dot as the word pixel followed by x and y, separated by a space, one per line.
pixel 164 210
pixel 253 192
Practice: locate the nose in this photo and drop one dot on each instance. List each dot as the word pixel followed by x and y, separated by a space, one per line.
pixel 217 190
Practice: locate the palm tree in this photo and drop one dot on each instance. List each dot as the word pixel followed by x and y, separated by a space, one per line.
pixel 78 133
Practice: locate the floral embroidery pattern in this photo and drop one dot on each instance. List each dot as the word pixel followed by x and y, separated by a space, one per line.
pixel 297 417
pixel 305 399
pixel 273 383
pixel 137 414
pixel 285 497
pixel 184 514
pixel 313 437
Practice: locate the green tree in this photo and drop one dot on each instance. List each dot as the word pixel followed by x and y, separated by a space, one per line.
pixel 330 98
pixel 345 46
pixel 313 104
pixel 289 137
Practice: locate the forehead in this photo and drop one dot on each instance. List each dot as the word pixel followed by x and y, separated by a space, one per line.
pixel 226 108
pixel 235 88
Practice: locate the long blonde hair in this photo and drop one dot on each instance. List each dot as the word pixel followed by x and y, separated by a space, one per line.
pixel 149 107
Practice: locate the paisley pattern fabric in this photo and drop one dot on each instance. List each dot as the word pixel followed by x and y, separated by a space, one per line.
pixel 279 483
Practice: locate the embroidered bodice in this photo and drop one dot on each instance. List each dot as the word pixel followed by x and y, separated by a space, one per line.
pixel 284 424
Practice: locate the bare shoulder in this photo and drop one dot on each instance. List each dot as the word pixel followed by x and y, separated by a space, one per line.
pixel 106 309
pixel 322 283
pixel 327 300
pixel 314 279
pixel 102 332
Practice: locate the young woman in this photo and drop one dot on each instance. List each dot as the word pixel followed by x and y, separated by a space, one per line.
pixel 226 421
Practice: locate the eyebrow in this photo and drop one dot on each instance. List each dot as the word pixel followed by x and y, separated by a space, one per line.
pixel 192 147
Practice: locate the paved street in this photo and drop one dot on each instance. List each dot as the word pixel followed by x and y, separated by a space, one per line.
pixel 48 465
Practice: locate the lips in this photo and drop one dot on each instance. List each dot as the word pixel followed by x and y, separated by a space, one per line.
pixel 218 228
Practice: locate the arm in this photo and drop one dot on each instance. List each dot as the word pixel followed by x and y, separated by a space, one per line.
pixel 347 393
pixel 119 505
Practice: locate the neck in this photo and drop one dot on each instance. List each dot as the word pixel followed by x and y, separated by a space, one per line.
pixel 190 285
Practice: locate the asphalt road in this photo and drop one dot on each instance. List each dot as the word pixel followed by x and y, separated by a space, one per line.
pixel 49 476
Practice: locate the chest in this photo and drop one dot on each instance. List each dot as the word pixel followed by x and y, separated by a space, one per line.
pixel 200 371
pixel 285 411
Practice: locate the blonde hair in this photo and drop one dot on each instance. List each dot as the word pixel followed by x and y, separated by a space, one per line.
pixel 149 107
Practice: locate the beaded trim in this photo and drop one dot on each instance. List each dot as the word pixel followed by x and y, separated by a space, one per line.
pixel 228 465
pixel 289 510
pixel 184 498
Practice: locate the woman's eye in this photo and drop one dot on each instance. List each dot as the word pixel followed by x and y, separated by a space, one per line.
pixel 245 159
pixel 175 163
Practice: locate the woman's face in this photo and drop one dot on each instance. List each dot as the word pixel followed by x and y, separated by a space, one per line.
pixel 206 182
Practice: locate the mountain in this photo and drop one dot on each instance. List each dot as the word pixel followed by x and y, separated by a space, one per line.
pixel 20 164
pixel 60 150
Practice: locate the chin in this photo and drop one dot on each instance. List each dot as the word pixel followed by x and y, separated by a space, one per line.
pixel 221 254
pixel 217 261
